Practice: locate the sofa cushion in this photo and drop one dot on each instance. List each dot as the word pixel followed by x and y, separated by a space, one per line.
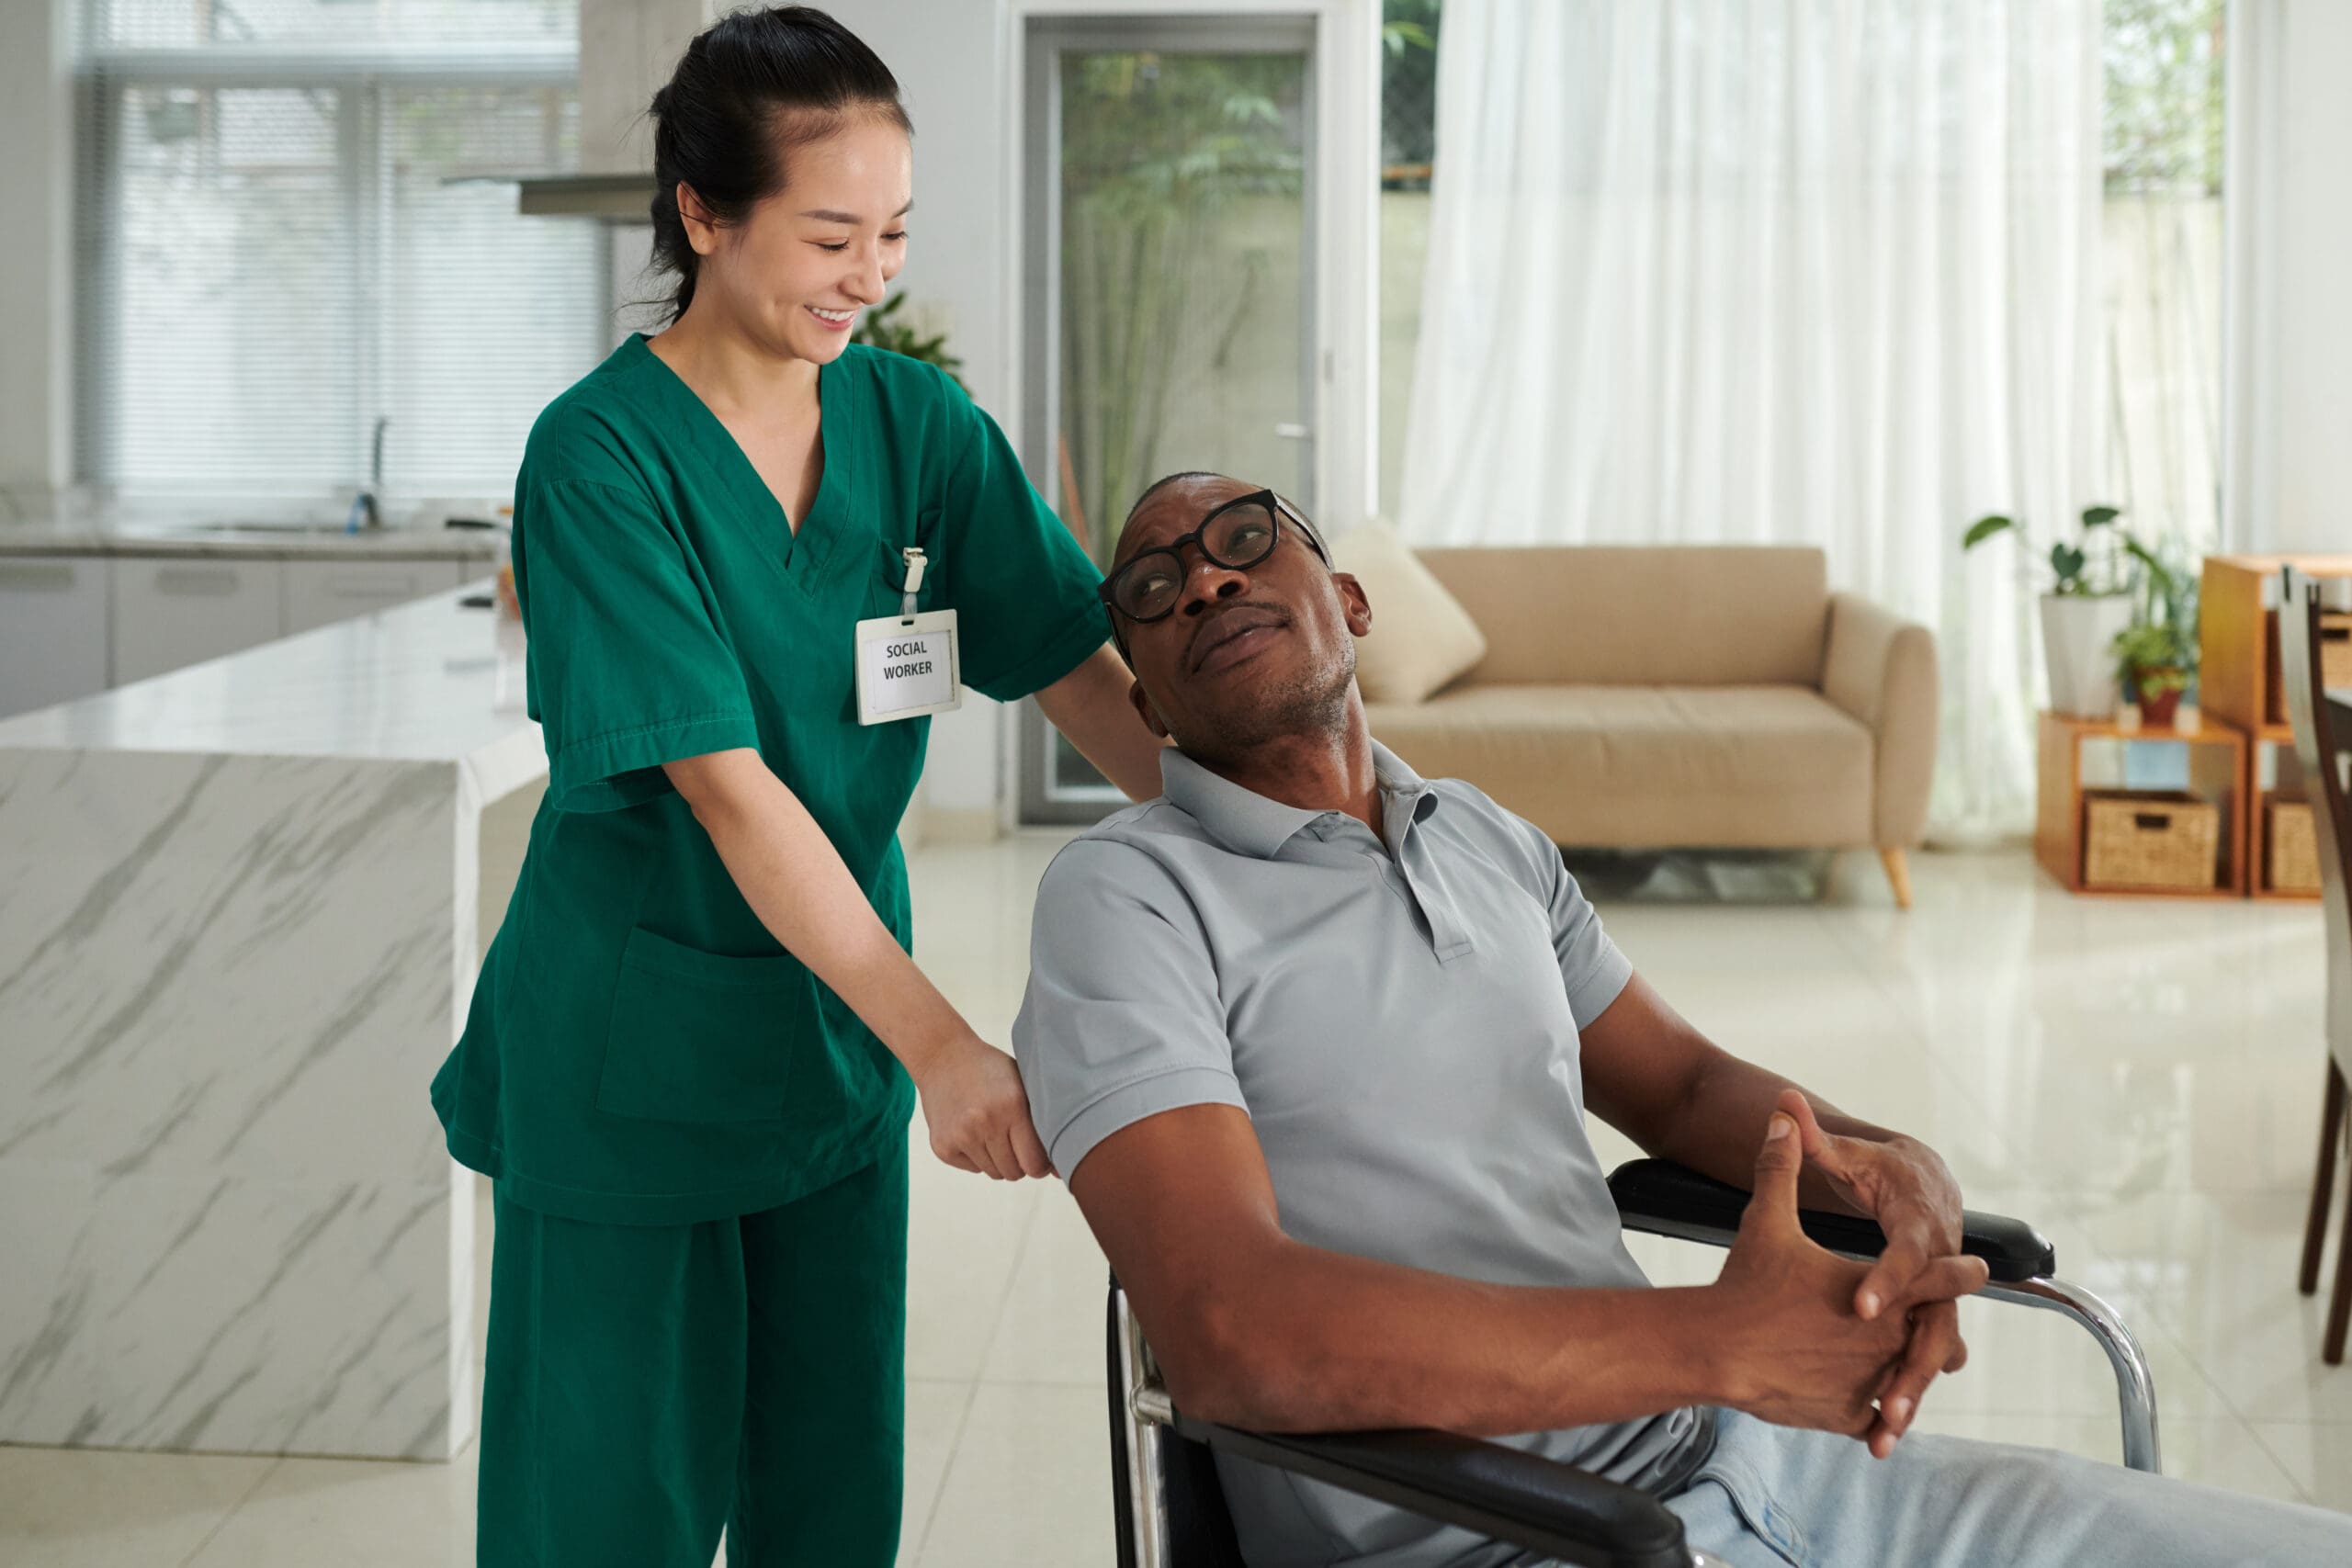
pixel 1643 614
pixel 1652 767
pixel 1421 637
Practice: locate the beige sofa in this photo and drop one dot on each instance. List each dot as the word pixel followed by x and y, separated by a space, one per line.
pixel 1682 696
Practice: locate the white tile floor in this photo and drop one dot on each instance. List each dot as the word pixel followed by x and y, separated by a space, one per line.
pixel 2138 1077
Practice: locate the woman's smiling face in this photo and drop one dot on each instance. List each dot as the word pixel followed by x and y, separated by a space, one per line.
pixel 795 274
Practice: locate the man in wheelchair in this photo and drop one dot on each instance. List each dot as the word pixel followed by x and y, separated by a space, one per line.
pixel 1312 1040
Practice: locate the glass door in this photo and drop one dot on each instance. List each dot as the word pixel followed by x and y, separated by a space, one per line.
pixel 1170 316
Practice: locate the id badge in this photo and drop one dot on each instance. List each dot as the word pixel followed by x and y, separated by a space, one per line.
pixel 906 667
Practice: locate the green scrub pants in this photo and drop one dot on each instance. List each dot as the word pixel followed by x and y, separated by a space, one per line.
pixel 649 1385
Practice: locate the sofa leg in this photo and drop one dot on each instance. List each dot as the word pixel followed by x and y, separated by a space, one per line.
pixel 1898 876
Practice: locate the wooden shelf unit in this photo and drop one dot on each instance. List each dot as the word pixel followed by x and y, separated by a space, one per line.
pixel 2238 646
pixel 2217 772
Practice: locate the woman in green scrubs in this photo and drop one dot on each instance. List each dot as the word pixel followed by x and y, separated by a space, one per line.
pixel 698 1038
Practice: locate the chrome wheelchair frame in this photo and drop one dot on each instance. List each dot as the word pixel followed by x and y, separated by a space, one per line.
pixel 1170 1510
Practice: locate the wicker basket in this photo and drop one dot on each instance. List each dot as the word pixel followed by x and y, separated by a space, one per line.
pixel 2150 840
pixel 2292 861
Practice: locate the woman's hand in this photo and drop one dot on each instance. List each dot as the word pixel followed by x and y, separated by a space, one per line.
pixel 978 1113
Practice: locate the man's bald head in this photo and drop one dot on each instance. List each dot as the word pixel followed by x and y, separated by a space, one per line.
pixel 1167 483
pixel 1200 489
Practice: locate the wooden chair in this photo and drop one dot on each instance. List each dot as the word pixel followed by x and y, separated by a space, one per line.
pixel 2317 747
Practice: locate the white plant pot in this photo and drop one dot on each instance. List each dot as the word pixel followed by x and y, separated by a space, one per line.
pixel 2077 641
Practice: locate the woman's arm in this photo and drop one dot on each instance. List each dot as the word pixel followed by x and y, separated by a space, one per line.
pixel 1090 706
pixel 793 879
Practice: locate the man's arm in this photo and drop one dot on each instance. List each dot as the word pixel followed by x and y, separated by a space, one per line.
pixel 1652 1076
pixel 1656 1078
pixel 1647 1072
pixel 1253 1328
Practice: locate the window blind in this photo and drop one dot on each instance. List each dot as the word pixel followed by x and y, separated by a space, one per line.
pixel 215 24
pixel 285 236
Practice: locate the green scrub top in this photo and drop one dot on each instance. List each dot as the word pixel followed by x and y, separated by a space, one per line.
pixel 640 1049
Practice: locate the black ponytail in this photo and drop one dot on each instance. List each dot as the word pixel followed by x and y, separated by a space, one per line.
pixel 750 88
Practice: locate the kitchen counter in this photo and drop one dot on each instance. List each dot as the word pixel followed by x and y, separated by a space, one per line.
pixel 238 932
pixel 201 537
pixel 432 681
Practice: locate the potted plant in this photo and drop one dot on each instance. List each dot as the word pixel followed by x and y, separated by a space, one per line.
pixel 2156 654
pixel 882 327
pixel 2156 662
pixel 2089 603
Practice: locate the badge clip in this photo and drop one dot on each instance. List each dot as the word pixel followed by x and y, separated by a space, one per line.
pixel 916 563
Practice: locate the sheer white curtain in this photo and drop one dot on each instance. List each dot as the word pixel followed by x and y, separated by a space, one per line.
pixel 1776 270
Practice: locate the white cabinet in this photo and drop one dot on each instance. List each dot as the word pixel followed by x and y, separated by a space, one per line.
pixel 52 631
pixel 319 592
pixel 172 611
pixel 73 625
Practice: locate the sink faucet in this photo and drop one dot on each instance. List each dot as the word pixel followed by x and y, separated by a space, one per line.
pixel 366 512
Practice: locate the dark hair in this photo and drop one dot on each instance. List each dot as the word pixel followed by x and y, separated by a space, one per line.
pixel 749 89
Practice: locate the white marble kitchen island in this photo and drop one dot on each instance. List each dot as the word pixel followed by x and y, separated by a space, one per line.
pixel 237 931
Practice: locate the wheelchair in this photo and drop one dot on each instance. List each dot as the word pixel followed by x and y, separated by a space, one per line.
pixel 1171 1510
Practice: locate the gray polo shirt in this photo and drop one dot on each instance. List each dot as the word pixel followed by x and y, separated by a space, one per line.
pixel 1398 1017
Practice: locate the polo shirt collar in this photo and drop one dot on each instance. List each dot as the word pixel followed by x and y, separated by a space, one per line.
pixel 1251 824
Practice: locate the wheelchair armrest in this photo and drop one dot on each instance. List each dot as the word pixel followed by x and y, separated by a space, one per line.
pixel 1666 1198
pixel 1524 1499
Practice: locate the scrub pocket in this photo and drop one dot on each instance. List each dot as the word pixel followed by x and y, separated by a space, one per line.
pixel 696 1037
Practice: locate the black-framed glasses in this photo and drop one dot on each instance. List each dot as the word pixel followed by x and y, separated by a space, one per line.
pixel 1236 535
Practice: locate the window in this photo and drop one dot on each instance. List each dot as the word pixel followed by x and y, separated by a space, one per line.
pixel 1171 169
pixel 1408 153
pixel 2161 233
pixel 286 237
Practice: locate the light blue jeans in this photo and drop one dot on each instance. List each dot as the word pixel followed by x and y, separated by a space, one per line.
pixel 1771 1496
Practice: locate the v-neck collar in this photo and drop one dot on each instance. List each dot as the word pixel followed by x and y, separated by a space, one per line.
pixel 800 556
